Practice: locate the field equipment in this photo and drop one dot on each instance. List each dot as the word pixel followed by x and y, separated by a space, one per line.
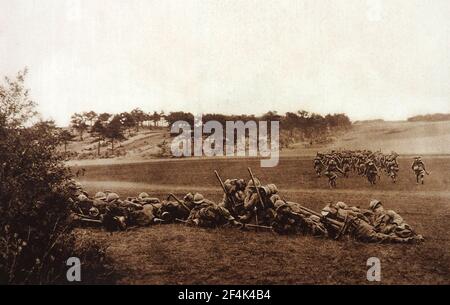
pixel 341 227
pixel 179 201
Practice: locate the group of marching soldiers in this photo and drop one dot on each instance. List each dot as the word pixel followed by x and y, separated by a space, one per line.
pixel 245 205
pixel 364 163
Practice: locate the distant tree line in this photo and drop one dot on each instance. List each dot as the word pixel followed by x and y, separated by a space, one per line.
pixel 430 117
pixel 289 121
pixel 301 125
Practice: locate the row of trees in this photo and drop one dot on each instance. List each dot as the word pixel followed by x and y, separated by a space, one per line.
pixel 137 118
pixel 109 127
pixel 430 117
pixel 309 124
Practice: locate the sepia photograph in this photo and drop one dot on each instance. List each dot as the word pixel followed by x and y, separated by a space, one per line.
pixel 210 144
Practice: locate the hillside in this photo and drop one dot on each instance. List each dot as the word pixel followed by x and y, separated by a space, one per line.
pixel 138 145
pixel 402 137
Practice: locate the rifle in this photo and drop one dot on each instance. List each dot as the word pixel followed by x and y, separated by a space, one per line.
pixel 85 218
pixel 342 227
pixel 257 226
pixel 256 187
pixel 259 196
pixel 181 220
pixel 179 201
pixel 224 189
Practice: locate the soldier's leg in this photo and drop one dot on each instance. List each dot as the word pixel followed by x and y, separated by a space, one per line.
pixel 365 233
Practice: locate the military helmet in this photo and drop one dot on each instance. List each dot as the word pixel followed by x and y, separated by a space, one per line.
pixel 143 195
pixel 82 198
pixel 275 198
pixel 326 211
pixel 188 197
pixel 94 212
pixel 111 197
pixel 72 184
pixel 251 184
pixel 374 204
pixel 272 188
pixel 100 196
pixel 198 198
pixel 279 203
pixel 341 205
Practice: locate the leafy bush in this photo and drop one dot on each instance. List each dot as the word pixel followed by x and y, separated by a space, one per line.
pixel 35 230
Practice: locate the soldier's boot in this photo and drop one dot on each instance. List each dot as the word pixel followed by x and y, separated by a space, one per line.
pixel 238 224
pixel 158 220
pixel 245 218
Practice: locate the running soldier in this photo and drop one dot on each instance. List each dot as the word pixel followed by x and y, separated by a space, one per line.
pixel 371 172
pixel 318 165
pixel 419 169
pixel 331 172
pixel 392 169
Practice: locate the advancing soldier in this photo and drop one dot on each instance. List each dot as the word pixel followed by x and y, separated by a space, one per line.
pixel 291 219
pixel 392 169
pixel 208 214
pixel 331 171
pixel 318 165
pixel 260 208
pixel 346 168
pixel 361 166
pixel 389 222
pixel 419 169
pixel 371 172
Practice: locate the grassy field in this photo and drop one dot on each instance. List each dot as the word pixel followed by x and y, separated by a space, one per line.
pixel 175 254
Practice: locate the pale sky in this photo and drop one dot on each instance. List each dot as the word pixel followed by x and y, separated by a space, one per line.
pixel 368 58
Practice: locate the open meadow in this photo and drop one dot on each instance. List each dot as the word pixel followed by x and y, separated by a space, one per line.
pixel 176 254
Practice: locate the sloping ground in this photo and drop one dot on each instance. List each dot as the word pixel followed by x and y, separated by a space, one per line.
pixel 402 137
pixel 408 138
pixel 138 145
